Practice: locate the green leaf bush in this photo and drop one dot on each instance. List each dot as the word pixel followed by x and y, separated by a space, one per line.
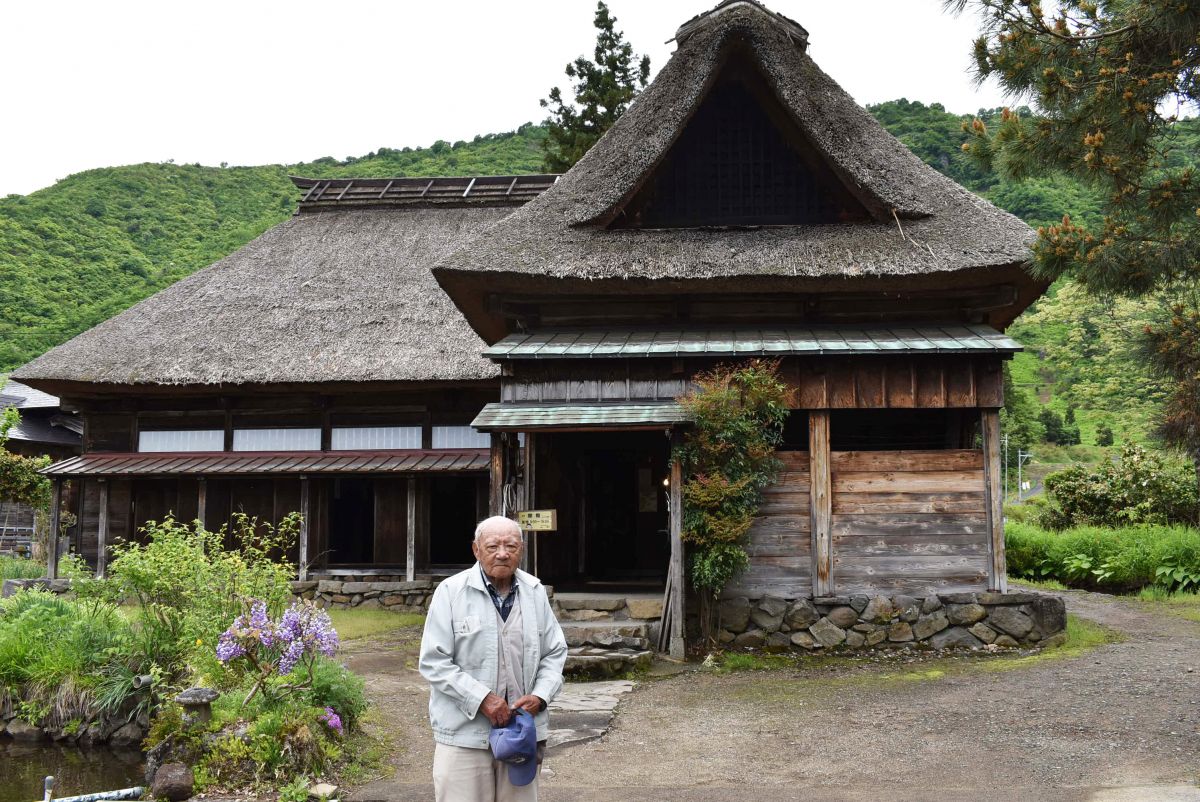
pixel 728 458
pixel 1139 487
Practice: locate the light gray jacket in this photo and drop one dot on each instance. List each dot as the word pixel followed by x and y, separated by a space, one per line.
pixel 459 654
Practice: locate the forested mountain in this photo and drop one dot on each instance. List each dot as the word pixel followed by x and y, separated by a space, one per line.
pixel 75 253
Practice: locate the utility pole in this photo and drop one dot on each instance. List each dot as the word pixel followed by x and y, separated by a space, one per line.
pixel 1004 440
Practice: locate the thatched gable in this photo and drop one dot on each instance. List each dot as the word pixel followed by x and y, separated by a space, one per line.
pixel 341 296
pixel 921 227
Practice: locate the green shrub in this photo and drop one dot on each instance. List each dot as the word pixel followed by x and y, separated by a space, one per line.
pixel 1142 487
pixel 19 568
pixel 1113 559
pixel 189 584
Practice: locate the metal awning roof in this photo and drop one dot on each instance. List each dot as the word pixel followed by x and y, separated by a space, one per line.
pixel 244 463
pixel 520 417
pixel 817 340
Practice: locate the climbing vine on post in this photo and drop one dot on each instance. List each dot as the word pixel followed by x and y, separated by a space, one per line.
pixel 728 458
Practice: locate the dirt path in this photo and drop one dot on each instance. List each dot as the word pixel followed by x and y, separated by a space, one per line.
pixel 1120 722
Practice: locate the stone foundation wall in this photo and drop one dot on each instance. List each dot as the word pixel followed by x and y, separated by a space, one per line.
pixel 400 596
pixel 11 586
pixel 944 621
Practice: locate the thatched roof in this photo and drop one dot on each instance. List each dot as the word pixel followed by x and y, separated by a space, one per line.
pixel 922 223
pixel 341 296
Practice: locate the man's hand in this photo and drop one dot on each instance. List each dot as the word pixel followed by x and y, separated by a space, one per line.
pixel 530 703
pixel 496 709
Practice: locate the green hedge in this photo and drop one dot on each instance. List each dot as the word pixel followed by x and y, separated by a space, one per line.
pixel 1112 559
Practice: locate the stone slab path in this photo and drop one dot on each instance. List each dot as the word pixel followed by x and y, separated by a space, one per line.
pixel 1120 723
pixel 583 711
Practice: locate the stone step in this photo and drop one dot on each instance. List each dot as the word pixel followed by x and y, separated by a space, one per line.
pixel 590 661
pixel 595 606
pixel 607 633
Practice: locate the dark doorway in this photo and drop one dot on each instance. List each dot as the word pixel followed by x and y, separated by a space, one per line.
pixel 607 489
pixel 453 516
pixel 352 522
pixel 626 528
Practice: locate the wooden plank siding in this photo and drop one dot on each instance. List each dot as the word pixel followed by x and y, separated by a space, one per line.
pixel 780 543
pixel 871 381
pixel 909 521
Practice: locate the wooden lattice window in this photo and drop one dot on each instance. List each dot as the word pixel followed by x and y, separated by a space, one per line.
pixel 741 161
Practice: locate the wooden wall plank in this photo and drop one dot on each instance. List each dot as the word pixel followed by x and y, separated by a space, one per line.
pixel 869 391
pixel 914 524
pixel 901 384
pixel 908 481
pixel 937 460
pixel 989 383
pixel 960 385
pixel 931 387
pixel 890 503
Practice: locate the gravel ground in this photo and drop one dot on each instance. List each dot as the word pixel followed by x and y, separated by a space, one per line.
pixel 1113 724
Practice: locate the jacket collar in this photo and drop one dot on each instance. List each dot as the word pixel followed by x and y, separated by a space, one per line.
pixel 475 578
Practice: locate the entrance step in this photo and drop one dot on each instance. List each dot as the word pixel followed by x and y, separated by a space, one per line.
pixel 608 633
pixel 613 606
pixel 597 663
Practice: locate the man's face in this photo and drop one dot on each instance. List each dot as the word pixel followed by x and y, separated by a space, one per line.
pixel 499 552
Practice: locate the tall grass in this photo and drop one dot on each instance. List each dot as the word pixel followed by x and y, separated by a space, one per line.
pixel 53 652
pixel 20 568
pixel 1114 559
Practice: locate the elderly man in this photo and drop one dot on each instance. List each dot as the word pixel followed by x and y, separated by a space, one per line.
pixel 491 646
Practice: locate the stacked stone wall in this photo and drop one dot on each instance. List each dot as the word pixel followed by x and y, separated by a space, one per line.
pixel 943 621
pixel 399 596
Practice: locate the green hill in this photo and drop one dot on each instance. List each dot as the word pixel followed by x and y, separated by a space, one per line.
pixel 78 252
pixel 93 244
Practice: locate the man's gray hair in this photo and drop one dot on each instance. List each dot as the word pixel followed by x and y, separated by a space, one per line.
pixel 495 520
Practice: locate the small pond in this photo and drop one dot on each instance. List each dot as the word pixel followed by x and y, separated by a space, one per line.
pixel 23 769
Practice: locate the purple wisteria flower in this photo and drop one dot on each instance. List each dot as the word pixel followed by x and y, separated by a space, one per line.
pixel 304 627
pixel 332 720
pixel 246 631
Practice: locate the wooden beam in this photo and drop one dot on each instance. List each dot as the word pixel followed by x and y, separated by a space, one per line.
pixel 531 500
pixel 496 475
pixel 820 502
pixel 302 557
pixel 102 531
pixel 52 538
pixel 677 648
pixel 202 501
pixel 410 531
pixel 994 497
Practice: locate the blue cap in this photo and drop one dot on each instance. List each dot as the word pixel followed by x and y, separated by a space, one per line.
pixel 516 744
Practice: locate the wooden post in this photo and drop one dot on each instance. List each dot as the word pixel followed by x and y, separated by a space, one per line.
pixel 52 544
pixel 102 531
pixel 202 500
pixel 410 512
pixel 676 581
pixel 496 476
pixel 820 502
pixel 529 502
pixel 302 558
pixel 994 495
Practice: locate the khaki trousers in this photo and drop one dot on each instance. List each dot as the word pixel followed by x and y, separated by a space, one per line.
pixel 473 775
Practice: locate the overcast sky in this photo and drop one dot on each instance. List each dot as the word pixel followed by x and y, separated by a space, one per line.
pixel 93 84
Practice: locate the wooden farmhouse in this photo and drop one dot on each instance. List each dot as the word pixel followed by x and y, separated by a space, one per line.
pixel 404 356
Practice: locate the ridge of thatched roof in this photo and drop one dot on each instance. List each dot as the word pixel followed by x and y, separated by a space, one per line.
pixel 486 190
pixel 341 296
pixel 922 223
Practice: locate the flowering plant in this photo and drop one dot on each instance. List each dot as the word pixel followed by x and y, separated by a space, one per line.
pixel 332 720
pixel 276 648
